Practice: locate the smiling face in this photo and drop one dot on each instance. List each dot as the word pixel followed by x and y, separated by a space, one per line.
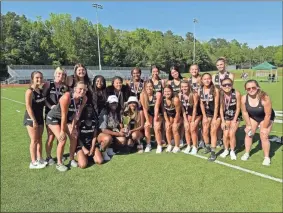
pixel 99 83
pixel 80 90
pixel 37 79
pixel 194 70
pixel 149 88
pixel 136 75
pixel 81 72
pixel 60 76
pixel 117 84
pixel 174 74
pixel 168 93
pixel 252 88
pixel 184 87
pixel 220 65
pixel 113 106
pixel 206 80
pixel 155 73
pixel 227 85
pixel 133 106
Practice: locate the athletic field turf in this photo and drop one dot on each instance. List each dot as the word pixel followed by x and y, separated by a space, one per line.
pixel 138 182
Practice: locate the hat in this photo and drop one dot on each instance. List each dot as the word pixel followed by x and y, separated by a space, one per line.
pixel 112 99
pixel 133 99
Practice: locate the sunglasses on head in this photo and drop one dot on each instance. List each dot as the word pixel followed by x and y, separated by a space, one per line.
pixel 227 85
pixel 251 88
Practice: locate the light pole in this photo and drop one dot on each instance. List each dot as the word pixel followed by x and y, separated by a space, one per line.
pixel 98 6
pixel 195 21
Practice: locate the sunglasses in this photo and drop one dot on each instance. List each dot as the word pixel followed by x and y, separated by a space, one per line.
pixel 251 88
pixel 226 85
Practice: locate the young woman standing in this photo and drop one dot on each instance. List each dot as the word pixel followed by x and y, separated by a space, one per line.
pixel 136 83
pixel 257 111
pixel 152 108
pixel 230 107
pixel 33 119
pixel 62 120
pixel 99 95
pixel 209 96
pixel 158 83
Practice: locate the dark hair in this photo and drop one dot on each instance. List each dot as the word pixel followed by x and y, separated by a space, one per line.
pixel 226 78
pixel 115 78
pixel 221 59
pixel 32 76
pixel 211 83
pixel 191 92
pixel 171 88
pixel 261 94
pixel 155 67
pixel 174 67
pixel 136 68
pixel 84 112
pixel 221 93
pixel 96 90
pixel 76 77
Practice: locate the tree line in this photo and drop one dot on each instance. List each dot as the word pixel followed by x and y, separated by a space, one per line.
pixel 61 40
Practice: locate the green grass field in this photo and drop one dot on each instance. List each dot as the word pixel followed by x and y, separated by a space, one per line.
pixel 137 182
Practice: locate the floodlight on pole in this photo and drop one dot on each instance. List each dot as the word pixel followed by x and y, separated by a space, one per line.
pixel 195 21
pixel 98 6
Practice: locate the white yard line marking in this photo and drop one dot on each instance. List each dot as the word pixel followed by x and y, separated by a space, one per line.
pixel 244 170
pixel 217 161
pixel 13 100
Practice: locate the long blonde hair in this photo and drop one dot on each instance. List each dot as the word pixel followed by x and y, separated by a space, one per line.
pixel 134 115
pixel 144 94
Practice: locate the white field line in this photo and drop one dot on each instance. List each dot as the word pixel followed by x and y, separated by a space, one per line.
pixel 217 161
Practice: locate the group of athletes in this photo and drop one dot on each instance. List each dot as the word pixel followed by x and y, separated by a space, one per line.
pixel 101 120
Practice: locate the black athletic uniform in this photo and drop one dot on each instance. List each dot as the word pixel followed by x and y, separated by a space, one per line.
pixel 86 134
pixel 151 105
pixel 38 102
pixel 209 103
pixel 257 113
pixel 53 95
pixel 136 91
pixel 54 115
pixel 194 86
pixel 158 87
pixel 189 108
pixel 176 88
pixel 217 79
pixel 170 110
pixel 231 107
pixel 88 92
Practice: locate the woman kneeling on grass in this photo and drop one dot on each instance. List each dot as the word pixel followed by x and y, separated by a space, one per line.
pixel 230 107
pixel 151 104
pixel 257 111
pixel 172 112
pixel 134 123
pixel 33 119
pixel 62 120
pixel 87 144
pixel 209 96
pixel 110 125
pixel 191 114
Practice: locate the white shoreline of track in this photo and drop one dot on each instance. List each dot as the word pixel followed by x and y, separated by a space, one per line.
pixel 203 157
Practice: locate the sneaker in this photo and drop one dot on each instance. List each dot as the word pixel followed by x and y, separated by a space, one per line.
pixel 36 165
pixel 233 155
pixel 50 161
pixel 41 161
pixel 212 157
pixel 194 151
pixel 61 167
pixel 176 149
pixel 187 150
pixel 147 148
pixel 245 157
pixel 266 161
pixel 169 148
pixel 73 163
pixel 105 156
pixel 181 143
pixel 110 151
pixel 207 149
pixel 159 149
pixel 225 153
pixel 140 148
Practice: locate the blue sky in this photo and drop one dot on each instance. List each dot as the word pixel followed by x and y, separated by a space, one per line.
pixel 256 23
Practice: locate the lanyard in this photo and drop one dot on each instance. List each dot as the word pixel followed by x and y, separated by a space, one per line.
pixel 206 98
pixel 227 101
pixel 76 110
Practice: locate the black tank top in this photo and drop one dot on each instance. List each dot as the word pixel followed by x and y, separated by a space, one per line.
pixel 170 110
pixel 194 86
pixel 54 94
pixel 72 110
pixel 230 107
pixel 158 87
pixel 176 88
pixel 217 79
pixel 208 101
pixel 186 105
pixel 151 105
pixel 257 113
pixel 136 91
pixel 86 132
pixel 38 102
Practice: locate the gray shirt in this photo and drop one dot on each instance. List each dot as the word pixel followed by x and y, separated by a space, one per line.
pixel 109 121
